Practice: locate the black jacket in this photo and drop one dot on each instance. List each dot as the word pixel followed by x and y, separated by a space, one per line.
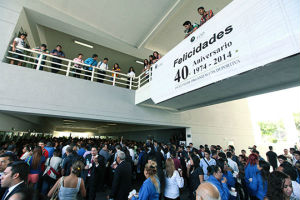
pixel 15 190
pixel 121 185
pixel 94 170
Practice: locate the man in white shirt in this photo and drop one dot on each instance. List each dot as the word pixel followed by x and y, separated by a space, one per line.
pixel 104 66
pixel 232 164
pixel 13 178
pixel 206 162
pixel 63 151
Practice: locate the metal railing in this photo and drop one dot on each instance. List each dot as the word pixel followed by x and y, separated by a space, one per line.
pixel 38 61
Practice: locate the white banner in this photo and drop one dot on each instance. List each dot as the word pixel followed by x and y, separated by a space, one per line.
pixel 242 36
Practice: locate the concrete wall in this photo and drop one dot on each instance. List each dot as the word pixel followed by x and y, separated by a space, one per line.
pixel 37 92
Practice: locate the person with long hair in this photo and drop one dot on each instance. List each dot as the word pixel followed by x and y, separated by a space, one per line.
pixel 195 174
pixel 151 186
pixel 279 186
pixel 35 162
pixel 151 58
pixel 259 183
pixel 116 68
pixel 251 171
pixel 156 56
pixel 174 181
pixel 70 185
pixel 216 178
pixel 131 74
pixel 227 172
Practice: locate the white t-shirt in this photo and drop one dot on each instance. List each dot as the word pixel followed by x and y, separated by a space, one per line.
pixel 63 151
pixel 296 190
pixel 54 162
pixel 233 165
pixel 173 184
pixel 131 74
pixel 102 65
pixel 20 43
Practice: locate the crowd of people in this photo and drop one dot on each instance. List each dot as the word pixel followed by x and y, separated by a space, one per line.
pixel 77 70
pixel 205 16
pixel 70 167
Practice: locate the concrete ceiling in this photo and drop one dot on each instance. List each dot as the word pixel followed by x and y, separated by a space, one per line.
pixel 134 27
pixel 48 124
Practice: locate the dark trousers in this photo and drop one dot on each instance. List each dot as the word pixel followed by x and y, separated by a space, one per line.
pixel 87 73
pixel 102 77
pixel 58 66
pixel 77 71
pixel 91 185
pixel 47 184
pixel 42 63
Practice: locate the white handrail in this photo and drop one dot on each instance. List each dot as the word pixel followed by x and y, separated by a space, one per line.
pixel 70 69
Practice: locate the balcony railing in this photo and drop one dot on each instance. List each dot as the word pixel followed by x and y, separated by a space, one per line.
pixel 35 60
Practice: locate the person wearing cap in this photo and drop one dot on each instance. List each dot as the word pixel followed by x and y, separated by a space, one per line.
pixel 18 43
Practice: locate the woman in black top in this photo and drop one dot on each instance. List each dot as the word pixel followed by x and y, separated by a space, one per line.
pixel 195 174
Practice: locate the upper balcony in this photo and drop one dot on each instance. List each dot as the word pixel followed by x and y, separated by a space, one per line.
pixel 37 60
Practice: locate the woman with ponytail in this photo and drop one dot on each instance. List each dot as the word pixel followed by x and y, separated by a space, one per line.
pixel 151 186
pixel 69 186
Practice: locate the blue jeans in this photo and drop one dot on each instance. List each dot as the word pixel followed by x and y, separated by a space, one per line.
pixel 47 184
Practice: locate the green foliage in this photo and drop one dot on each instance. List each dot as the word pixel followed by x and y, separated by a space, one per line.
pixel 297 120
pixel 267 128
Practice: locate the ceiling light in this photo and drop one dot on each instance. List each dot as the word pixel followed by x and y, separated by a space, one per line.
pixel 83 44
pixel 69 121
pixel 140 62
pixel 111 124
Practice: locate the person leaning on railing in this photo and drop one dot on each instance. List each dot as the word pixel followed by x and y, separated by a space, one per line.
pixel 189 28
pixel 77 66
pixel 43 49
pixel 102 65
pixel 206 15
pixel 131 74
pixel 59 53
pixel 19 42
pixel 116 68
pixel 156 56
pixel 92 62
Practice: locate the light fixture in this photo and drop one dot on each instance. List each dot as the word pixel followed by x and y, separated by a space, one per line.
pixel 140 62
pixel 83 44
pixel 68 120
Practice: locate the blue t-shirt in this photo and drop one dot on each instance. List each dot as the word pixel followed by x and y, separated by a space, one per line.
pixel 81 151
pixel 59 54
pixel 222 187
pixel 91 61
pixel 50 151
pixel 148 191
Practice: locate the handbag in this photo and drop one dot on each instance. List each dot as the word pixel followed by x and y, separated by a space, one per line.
pixel 56 191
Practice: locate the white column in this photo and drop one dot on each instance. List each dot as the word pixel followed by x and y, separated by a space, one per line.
pixel 188 136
